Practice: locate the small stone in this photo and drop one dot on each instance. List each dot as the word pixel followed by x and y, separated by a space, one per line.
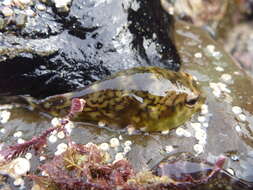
pixel 7 2
pixel 18 134
pixel 198 55
pixel 219 69
pixel 119 156
pixel 26 2
pixel 61 148
pixel 196 126
pixel 166 132
pixel 69 126
pixel 169 149
pixel 3 130
pixel 127 149
pixel 4 116
pixel 227 78
pixel 180 131
pixel 217 93
pixel 28 156
pixel 200 134
pixel 114 142
pixel 30 12
pixel 21 166
pixel 198 148
pixel 236 110
pixel 128 143
pixel 210 47
pixel 231 171
pixel 52 138
pixel 242 117
pixel 234 157
pixel 55 122
pixel 238 128
pixel 7 11
pixel 120 137
pixel 2 23
pixel 201 119
pixel 205 124
pixel 101 124
pixel 44 173
pixel 41 7
pixel 18 182
pixel 42 158
pixel 104 146
pixel 20 141
pixel 61 135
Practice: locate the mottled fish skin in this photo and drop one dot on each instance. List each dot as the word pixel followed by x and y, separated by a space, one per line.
pixel 146 98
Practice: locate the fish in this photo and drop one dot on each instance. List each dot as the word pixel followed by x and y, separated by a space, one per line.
pixel 148 99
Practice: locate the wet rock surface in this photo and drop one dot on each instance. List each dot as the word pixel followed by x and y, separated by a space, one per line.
pixel 57 52
pixel 224 126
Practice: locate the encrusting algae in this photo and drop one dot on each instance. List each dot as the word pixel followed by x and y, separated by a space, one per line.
pixel 145 98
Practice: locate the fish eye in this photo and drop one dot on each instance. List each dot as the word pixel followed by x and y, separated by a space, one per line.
pixel 191 101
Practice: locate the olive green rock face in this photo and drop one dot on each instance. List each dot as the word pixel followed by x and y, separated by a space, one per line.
pixel 146 98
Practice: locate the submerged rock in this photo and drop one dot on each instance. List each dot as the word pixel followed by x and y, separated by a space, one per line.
pixel 55 53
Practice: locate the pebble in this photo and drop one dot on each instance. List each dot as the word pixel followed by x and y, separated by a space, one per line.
pixel 7 2
pixel 242 117
pixel 28 156
pixel 61 135
pixel 182 132
pixel 238 128
pixel 210 48
pixel 204 109
pixel 127 149
pixel 42 158
pixel 166 132
pixel 7 11
pixel 219 69
pixel 41 7
pixel 169 149
pixel 236 110
pixel 120 137
pixel 231 171
pixel 227 78
pixel 101 124
pixel 69 126
pixel 114 142
pixel 234 157
pixel 3 130
pixel 119 156
pixel 196 126
pixel 201 119
pixel 200 134
pixel 21 20
pixel 30 12
pixel 20 141
pixel 198 148
pixel 18 134
pixel 104 146
pixel 61 148
pixel 18 182
pixel 52 139
pixel 55 122
pixel 198 55
pixel 21 166
pixel 128 143
pixel 205 124
pixel 26 2
pixel 4 116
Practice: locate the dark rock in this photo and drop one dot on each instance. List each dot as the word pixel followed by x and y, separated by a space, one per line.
pixel 55 53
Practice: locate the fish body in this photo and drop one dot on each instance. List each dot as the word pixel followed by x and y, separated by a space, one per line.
pixel 146 98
